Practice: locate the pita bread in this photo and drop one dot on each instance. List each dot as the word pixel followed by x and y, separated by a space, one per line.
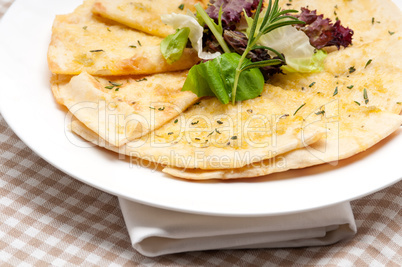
pixel 144 15
pixel 84 42
pixel 123 108
pixel 352 140
pixel 210 135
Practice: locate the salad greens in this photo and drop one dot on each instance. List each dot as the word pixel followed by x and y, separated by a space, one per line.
pixel 295 45
pixel 172 47
pixel 217 77
pixel 274 18
pixel 315 63
pixel 216 29
pixel 242 46
pixel 322 32
pixel 179 21
pixel 231 10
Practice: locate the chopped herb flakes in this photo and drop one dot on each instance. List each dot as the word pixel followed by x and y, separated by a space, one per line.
pixel 143 79
pixel 299 109
pixel 96 51
pixel 170 133
pixel 115 84
pixel 139 43
pixel 233 137
pixel 197 103
pixel 176 120
pixel 219 122
pixel 372 20
pixel 399 103
pixel 217 131
pixel 133 46
pixel 352 69
pixel 181 7
pixel 350 87
pixel 85 27
pixel 365 96
pixel 117 89
pixel 161 109
pixel 336 91
pixel 321 112
pixel 391 33
pixel 151 107
pixel 312 84
pixel 368 63
pixel 357 103
pixel 195 122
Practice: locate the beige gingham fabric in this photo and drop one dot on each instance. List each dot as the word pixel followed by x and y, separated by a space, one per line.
pixel 48 218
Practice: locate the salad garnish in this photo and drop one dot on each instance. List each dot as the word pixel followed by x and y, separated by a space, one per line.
pixel 242 45
pixel 322 32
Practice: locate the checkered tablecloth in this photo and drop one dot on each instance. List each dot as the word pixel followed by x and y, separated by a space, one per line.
pixel 48 218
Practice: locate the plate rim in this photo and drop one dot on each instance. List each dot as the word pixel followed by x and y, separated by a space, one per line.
pixel 42 153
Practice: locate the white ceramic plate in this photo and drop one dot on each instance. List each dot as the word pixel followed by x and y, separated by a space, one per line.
pixel 28 106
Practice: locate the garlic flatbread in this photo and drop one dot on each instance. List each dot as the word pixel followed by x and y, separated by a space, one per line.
pixel 210 135
pixel 144 15
pixel 82 41
pixel 123 108
pixel 343 139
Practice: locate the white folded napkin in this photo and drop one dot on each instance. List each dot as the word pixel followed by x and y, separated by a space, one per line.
pixel 154 231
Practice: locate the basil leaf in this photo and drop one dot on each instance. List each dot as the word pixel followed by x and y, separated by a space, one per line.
pixel 216 78
pixel 197 82
pixel 172 46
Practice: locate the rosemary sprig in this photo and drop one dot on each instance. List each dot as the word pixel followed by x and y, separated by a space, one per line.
pixel 274 18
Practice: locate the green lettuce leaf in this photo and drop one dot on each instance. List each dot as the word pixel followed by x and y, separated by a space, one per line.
pixel 306 65
pixel 216 78
pixel 295 45
pixel 179 21
pixel 172 46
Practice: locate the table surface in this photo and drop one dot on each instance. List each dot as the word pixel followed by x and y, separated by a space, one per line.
pixel 49 218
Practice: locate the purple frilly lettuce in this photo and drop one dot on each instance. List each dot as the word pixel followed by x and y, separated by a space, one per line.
pixel 322 32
